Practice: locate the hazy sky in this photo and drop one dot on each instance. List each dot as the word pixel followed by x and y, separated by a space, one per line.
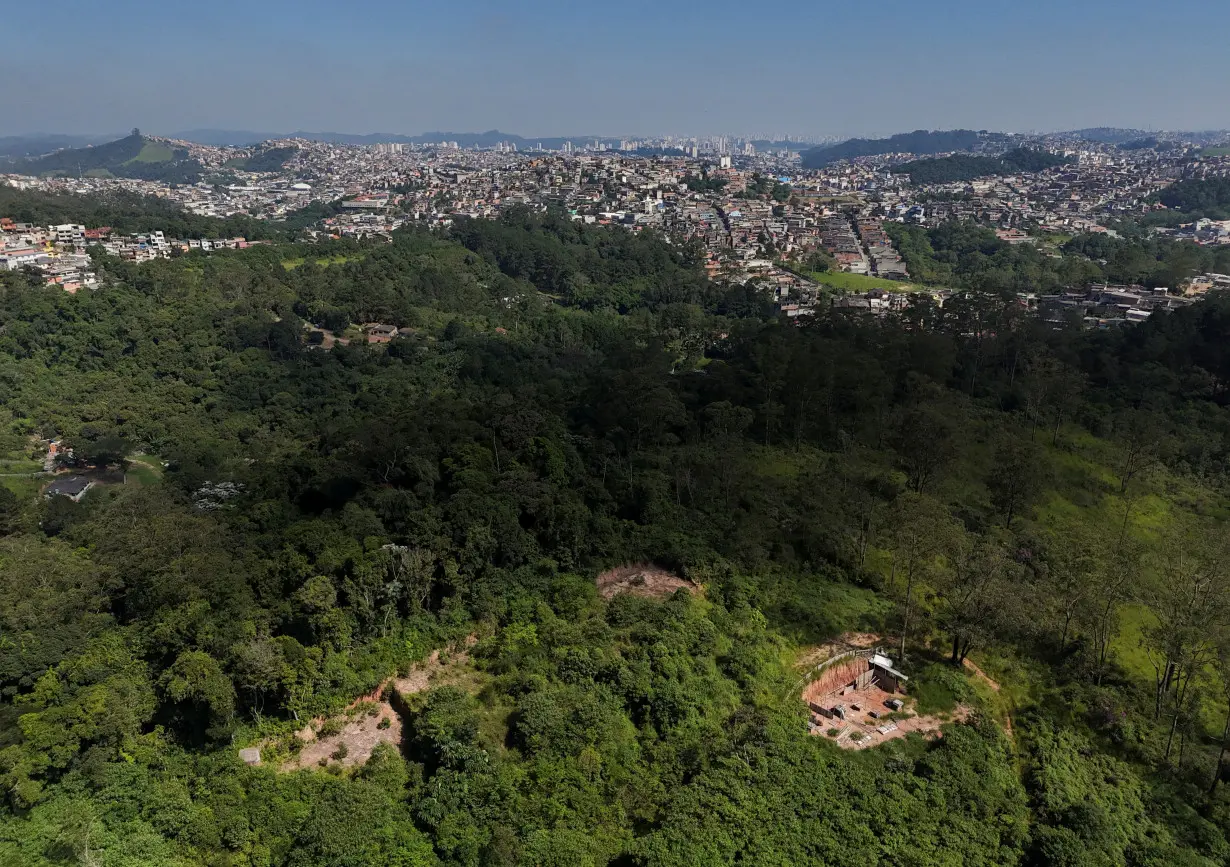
pixel 572 67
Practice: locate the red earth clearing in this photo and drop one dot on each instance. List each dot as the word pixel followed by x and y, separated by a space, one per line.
pixel 641 580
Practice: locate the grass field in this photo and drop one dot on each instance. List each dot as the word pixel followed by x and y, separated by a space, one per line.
pixel 154 152
pixel 292 264
pixel 844 281
pixel 847 282
pixel 1223 151
pixel 144 470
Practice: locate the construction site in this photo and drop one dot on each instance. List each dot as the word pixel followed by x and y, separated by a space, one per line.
pixel 857 699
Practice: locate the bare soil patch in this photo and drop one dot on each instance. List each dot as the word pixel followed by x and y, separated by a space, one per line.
pixel 363 727
pixel 969 663
pixel 978 672
pixel 641 580
pixel 860 730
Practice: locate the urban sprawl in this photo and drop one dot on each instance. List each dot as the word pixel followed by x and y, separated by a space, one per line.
pixel 759 214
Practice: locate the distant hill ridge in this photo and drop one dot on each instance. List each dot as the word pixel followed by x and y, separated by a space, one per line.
pixel 134 156
pixel 490 138
pixel 921 142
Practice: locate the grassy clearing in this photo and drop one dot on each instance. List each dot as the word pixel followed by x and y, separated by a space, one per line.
pixel 1223 151
pixel 141 474
pixel 292 264
pixel 144 470
pixel 774 464
pixel 847 282
pixel 154 152
pixel 844 281
pixel 25 488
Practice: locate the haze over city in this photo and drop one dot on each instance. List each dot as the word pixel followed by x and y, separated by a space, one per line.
pixel 639 68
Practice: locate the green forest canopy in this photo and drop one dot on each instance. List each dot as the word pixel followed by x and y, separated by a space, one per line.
pixel 1198 197
pixel 964 167
pixel 569 398
pixel 918 142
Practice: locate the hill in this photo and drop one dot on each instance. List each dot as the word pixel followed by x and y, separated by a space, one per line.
pixel 1198 197
pixel 964 167
pixel 1109 135
pixel 918 142
pixel 38 144
pixel 134 156
pixel 264 159
pixel 490 138
pixel 387 568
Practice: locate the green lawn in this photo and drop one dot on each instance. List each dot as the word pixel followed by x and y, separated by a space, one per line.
pixel 292 264
pixel 144 470
pixel 1223 151
pixel 154 152
pixel 847 282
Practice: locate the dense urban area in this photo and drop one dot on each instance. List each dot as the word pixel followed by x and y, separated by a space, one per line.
pixel 792 218
pixel 644 503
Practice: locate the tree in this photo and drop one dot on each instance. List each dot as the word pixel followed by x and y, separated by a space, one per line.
pixel 1140 437
pixel 104 450
pixel 1070 560
pixel 920 531
pixel 925 439
pixel 1017 477
pixel 1190 598
pixel 197 682
pixel 975 591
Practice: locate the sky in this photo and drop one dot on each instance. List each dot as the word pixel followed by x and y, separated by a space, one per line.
pixel 636 67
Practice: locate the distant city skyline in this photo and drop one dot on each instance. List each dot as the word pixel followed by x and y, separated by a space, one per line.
pixel 554 68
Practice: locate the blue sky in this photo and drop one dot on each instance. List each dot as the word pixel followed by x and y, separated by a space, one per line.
pixel 573 67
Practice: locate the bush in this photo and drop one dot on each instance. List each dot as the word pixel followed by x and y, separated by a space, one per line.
pixel 384 723
pixel 939 688
pixel 341 752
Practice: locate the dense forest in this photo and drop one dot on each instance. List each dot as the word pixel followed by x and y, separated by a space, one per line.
pixel 133 213
pixel 964 167
pixel 968 256
pixel 1198 197
pixel 297 525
